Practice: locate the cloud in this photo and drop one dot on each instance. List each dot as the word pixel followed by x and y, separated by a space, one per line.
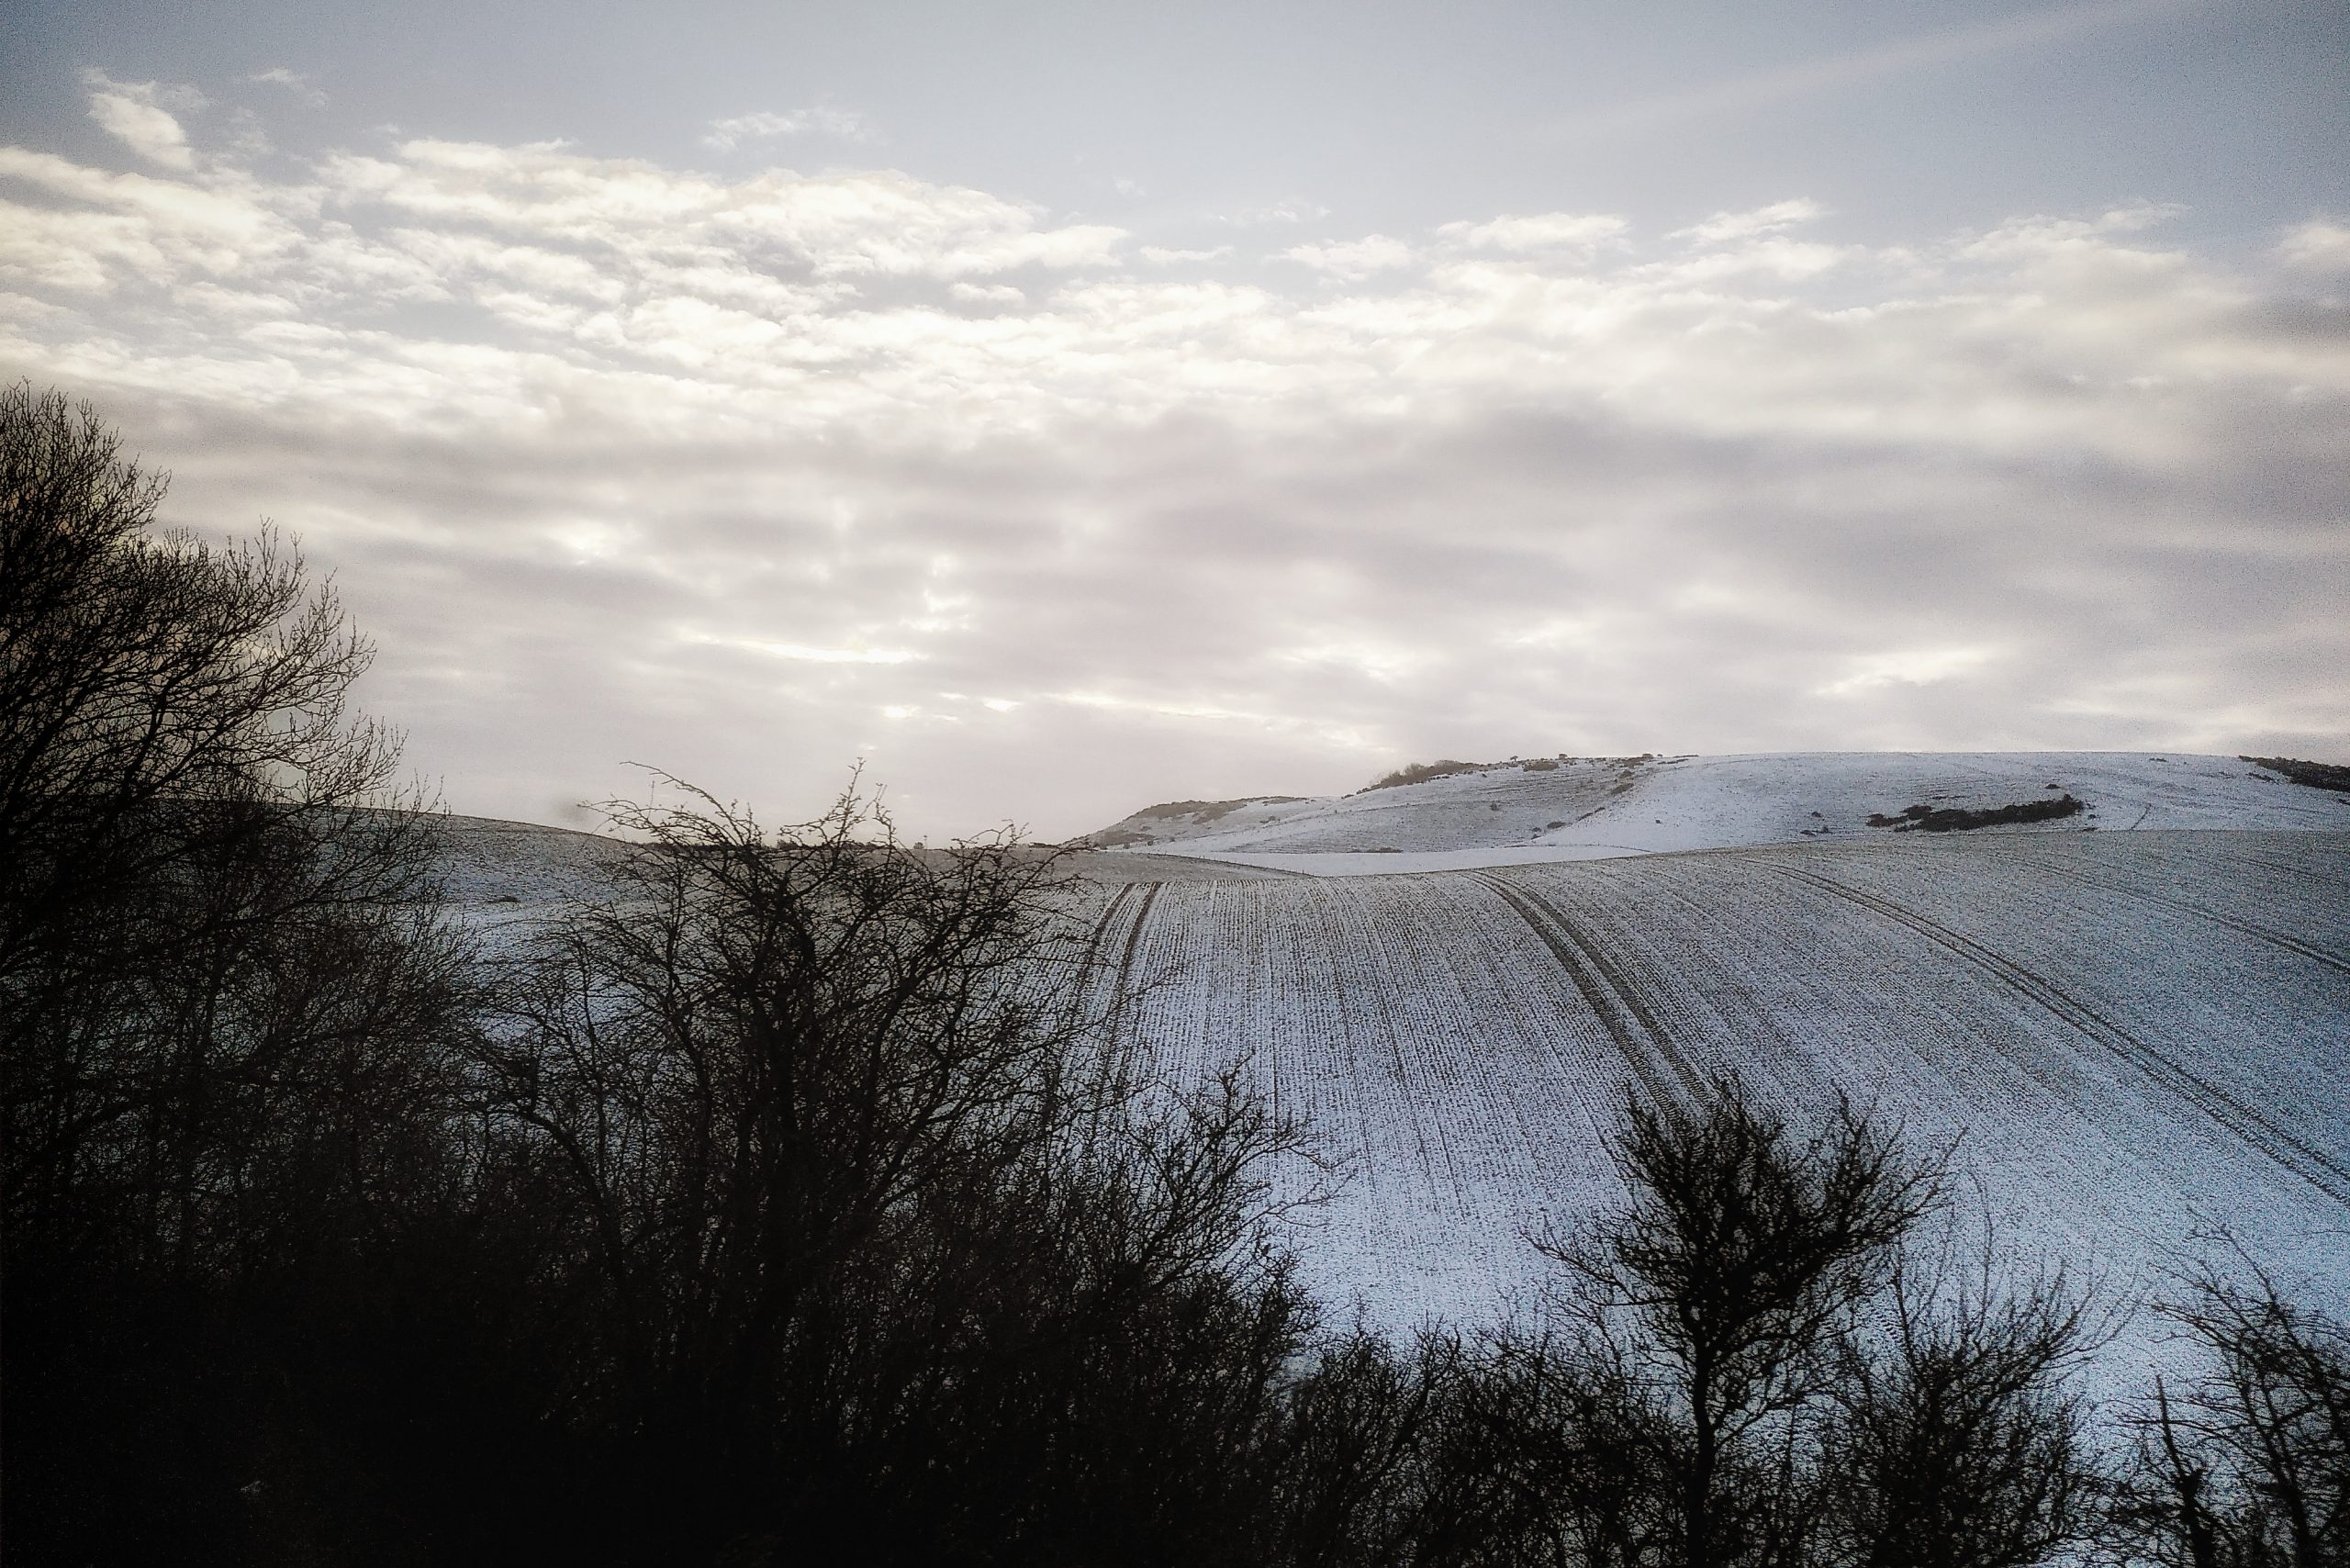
pixel 2032 30
pixel 2318 246
pixel 1274 212
pixel 1354 260
pixel 841 124
pixel 619 459
pixel 134 114
pixel 1724 226
pixel 1577 231
pixel 293 82
pixel 1158 256
pixel 1870 672
pixel 986 294
pixel 878 223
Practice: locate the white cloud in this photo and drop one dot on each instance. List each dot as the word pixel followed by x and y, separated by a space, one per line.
pixel 2319 245
pixel 800 655
pixel 293 82
pixel 2036 28
pixel 1578 231
pixel 1870 672
pixel 1768 220
pixel 134 114
pixel 666 450
pixel 1158 256
pixel 1354 260
pixel 1274 212
pixel 841 124
pixel 838 225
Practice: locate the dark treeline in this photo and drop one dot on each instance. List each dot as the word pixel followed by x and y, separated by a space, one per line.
pixel 780 1206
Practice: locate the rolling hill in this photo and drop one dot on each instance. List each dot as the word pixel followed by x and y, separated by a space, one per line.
pixel 1543 809
pixel 2131 1023
pixel 2126 1037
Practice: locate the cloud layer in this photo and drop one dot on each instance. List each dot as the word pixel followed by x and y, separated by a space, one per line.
pixel 749 474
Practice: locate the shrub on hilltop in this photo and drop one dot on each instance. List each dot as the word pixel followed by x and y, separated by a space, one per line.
pixel 1421 772
pixel 1923 818
pixel 2316 775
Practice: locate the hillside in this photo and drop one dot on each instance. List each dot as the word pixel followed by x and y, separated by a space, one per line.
pixel 1549 809
pixel 2130 1036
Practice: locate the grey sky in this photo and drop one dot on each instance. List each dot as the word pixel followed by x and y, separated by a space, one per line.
pixel 1065 406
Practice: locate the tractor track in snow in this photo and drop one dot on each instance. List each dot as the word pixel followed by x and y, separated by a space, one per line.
pixel 2290 868
pixel 2313 1165
pixel 1611 997
pixel 2200 911
pixel 1092 956
pixel 1121 987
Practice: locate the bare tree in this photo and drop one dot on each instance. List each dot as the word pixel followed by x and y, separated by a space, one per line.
pixel 1957 1441
pixel 1716 1301
pixel 179 777
pixel 225 991
pixel 865 1200
pixel 2245 1463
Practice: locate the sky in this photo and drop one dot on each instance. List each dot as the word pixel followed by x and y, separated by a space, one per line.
pixel 1058 407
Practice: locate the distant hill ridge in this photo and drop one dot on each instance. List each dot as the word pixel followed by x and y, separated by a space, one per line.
pixel 1568 806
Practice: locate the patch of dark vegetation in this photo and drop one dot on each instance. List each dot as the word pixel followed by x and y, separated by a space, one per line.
pixel 1210 811
pixel 2316 775
pixel 1198 812
pixel 1958 819
pixel 1448 767
pixel 1421 772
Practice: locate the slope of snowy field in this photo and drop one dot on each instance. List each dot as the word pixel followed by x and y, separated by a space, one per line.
pixel 1551 809
pixel 2127 1036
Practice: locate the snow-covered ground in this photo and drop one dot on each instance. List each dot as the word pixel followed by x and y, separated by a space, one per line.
pixel 1576 809
pixel 2128 1035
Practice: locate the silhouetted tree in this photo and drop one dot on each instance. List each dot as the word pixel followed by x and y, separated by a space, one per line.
pixel 224 990
pixel 2246 1463
pixel 874 1232
pixel 1716 1301
pixel 1956 1441
pixel 1754 1353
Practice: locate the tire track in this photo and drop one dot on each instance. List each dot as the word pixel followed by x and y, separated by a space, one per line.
pixel 1661 1068
pixel 2310 1164
pixel 2243 927
pixel 2289 868
pixel 1134 934
pixel 1122 995
pixel 1092 958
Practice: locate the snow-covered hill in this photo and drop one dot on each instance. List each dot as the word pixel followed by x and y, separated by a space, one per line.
pixel 2128 1035
pixel 1547 809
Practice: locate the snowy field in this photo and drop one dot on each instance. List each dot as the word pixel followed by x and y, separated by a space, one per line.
pixel 1552 809
pixel 2126 1037
pixel 2129 1035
